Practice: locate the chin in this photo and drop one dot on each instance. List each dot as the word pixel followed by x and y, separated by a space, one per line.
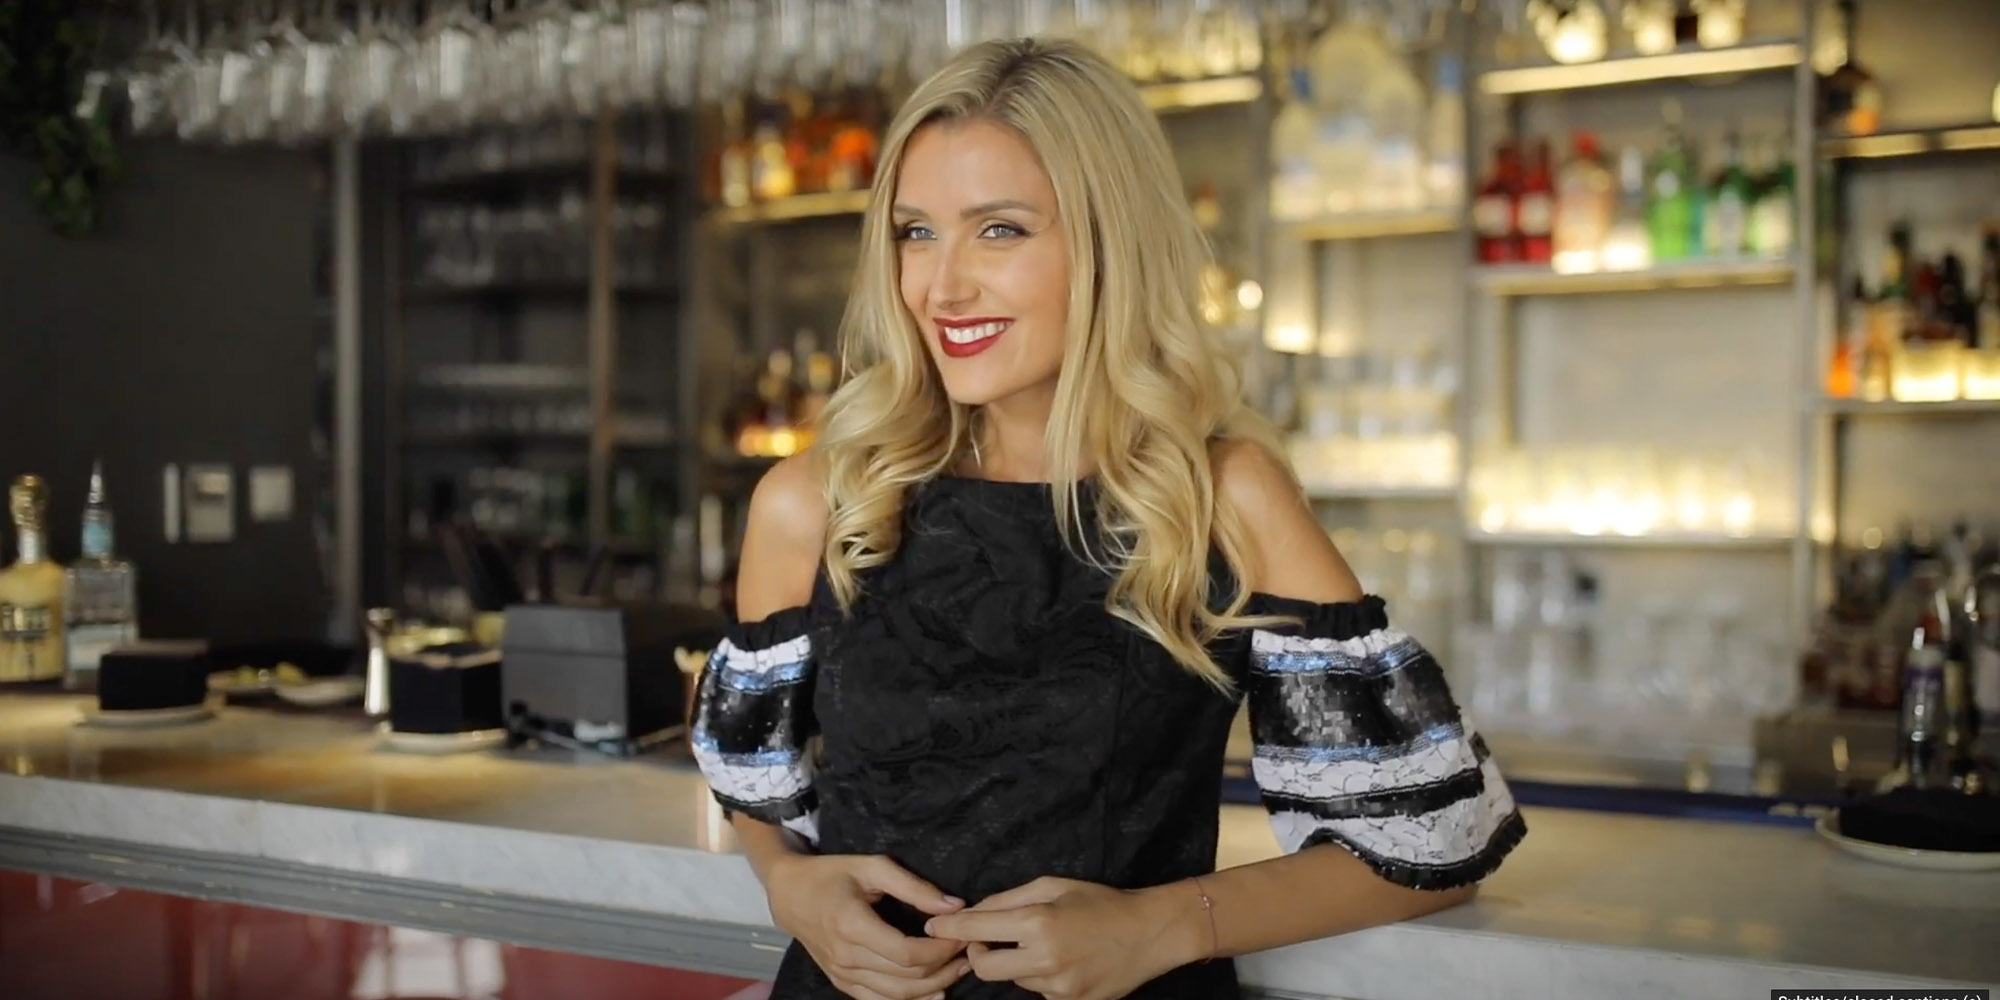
pixel 976 391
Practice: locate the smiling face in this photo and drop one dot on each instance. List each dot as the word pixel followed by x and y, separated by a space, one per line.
pixel 984 267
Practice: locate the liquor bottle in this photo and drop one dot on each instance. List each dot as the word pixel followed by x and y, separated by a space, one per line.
pixel 1444 135
pixel 1850 98
pixel 1627 245
pixel 1394 103
pixel 1296 188
pixel 819 383
pixel 102 599
pixel 733 157
pixel 1982 362
pixel 1535 212
pixel 1842 375
pixel 1493 209
pixel 772 177
pixel 1585 203
pixel 1771 226
pixel 1673 212
pixel 31 593
pixel 1726 217
pixel 1920 726
pixel 807 139
pixel 852 150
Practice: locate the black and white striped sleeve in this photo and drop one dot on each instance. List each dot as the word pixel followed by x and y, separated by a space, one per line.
pixel 753 719
pixel 1359 743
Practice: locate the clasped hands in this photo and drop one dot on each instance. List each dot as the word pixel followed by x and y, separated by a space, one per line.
pixel 1061 938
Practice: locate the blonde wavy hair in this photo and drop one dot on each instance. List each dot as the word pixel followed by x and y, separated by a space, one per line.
pixel 1144 388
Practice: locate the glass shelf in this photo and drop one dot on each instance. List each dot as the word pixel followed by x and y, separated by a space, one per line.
pixel 1659 540
pixel 805 206
pixel 1375 225
pixel 1188 94
pixel 500 291
pixel 1862 407
pixel 1913 142
pixel 1539 279
pixel 509 181
pixel 1342 491
pixel 1758 58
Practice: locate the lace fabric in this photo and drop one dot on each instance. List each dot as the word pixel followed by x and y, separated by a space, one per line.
pixel 984 721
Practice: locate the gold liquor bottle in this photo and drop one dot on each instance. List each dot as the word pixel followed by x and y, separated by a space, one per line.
pixel 31 593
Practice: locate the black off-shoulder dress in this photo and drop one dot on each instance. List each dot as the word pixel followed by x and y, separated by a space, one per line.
pixel 984 721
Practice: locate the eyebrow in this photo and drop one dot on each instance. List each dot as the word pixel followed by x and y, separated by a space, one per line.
pixel 983 208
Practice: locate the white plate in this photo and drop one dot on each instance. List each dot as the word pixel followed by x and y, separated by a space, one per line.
pixel 226 682
pixel 323 691
pixel 1906 857
pixel 483 739
pixel 139 718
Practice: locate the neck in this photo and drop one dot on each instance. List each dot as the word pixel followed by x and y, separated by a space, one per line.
pixel 30 546
pixel 1013 436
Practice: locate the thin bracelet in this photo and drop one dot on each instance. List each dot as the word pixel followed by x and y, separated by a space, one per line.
pixel 1207 904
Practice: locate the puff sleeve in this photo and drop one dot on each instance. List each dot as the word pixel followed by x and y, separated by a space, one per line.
pixel 753 721
pixel 1359 743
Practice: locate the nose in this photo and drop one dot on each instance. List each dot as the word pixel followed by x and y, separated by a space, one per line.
pixel 952 285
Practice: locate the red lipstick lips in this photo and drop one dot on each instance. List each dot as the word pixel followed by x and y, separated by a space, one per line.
pixel 965 336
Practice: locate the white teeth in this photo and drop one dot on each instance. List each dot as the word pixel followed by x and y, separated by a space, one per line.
pixel 973 334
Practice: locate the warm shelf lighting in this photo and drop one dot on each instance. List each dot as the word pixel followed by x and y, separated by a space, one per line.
pixel 1202 93
pixel 1289 338
pixel 1638 69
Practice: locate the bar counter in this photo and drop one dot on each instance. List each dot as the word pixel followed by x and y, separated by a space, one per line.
pixel 629 859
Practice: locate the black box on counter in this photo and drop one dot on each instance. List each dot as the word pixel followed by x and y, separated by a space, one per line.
pixel 153 674
pixel 445 689
pixel 604 676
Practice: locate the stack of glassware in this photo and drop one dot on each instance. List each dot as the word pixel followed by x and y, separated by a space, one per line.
pixel 1377 422
pixel 1358 133
pixel 1552 661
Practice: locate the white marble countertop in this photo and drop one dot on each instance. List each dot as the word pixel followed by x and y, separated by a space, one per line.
pixel 1591 905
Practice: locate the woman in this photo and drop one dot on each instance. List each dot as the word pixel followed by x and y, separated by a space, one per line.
pixel 1020 584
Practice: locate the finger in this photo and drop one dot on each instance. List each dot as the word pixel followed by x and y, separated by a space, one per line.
pixel 984 925
pixel 900 988
pixel 1013 965
pixel 911 958
pixel 865 930
pixel 886 876
pixel 1041 890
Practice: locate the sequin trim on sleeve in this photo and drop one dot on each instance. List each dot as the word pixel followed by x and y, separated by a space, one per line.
pixel 753 720
pixel 1360 743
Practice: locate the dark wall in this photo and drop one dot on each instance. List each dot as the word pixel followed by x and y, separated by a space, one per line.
pixel 186 334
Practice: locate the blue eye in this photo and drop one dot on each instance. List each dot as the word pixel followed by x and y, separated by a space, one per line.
pixel 1003 230
pixel 912 231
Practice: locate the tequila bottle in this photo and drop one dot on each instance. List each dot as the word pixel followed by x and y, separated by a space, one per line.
pixel 31 593
pixel 103 602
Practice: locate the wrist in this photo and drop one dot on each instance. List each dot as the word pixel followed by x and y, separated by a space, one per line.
pixel 1182 927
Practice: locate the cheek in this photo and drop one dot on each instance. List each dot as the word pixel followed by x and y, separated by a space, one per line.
pixel 915 281
pixel 1042 285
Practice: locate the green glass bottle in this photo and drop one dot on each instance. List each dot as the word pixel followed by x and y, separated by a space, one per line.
pixel 1673 206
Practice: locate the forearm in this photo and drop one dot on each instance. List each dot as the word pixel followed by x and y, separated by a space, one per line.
pixel 765 845
pixel 1318 892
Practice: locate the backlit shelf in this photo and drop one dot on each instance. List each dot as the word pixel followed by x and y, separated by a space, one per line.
pixel 1374 225
pixel 1356 491
pixel 1652 540
pixel 1760 58
pixel 1913 142
pixel 1189 94
pixel 1891 407
pixel 805 206
pixel 1539 279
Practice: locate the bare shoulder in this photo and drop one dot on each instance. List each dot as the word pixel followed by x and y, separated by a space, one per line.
pixel 782 540
pixel 1290 554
